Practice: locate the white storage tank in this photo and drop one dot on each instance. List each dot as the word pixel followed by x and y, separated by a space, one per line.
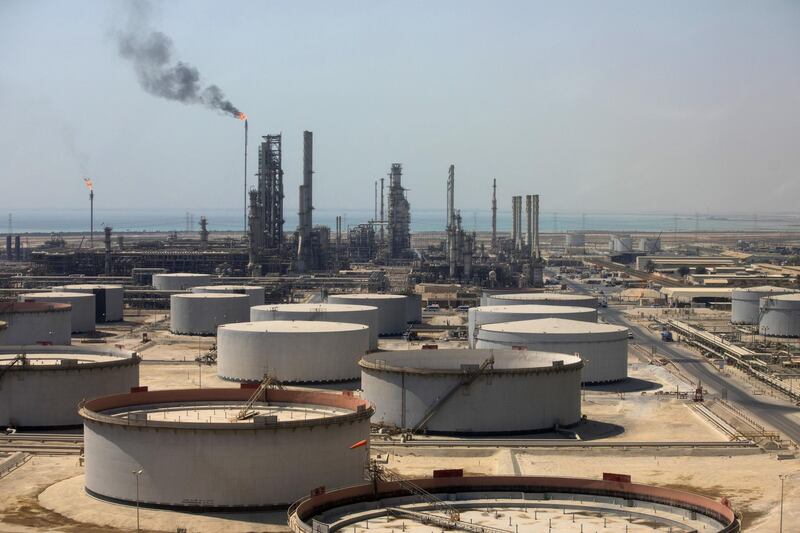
pixel 493 314
pixel 745 302
pixel 198 451
pixel 414 308
pixel 473 391
pixel 41 386
pixel 543 298
pixel 82 316
pixel 255 293
pixel 621 244
pixel 780 315
pixel 650 245
pixel 603 347
pixel 108 299
pixel 392 311
pixel 354 314
pixel 180 281
pixel 36 323
pixel 291 351
pixel 201 314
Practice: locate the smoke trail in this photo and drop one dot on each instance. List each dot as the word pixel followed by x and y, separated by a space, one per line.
pixel 151 54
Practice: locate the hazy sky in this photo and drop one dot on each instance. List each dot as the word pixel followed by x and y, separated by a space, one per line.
pixel 607 106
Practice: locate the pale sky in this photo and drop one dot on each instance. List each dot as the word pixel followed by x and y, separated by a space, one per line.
pixel 635 107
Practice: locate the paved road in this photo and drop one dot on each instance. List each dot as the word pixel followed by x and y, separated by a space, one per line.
pixel 690 363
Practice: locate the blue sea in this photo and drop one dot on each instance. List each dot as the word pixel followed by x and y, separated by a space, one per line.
pixel 160 220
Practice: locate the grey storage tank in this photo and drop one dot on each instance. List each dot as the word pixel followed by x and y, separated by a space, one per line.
pixel 780 315
pixel 255 293
pixel 83 310
pixel 745 302
pixel 473 391
pixel 602 347
pixel 493 314
pixel 108 299
pixel 201 314
pixel 392 309
pixel 366 315
pixel 180 281
pixel 41 386
pixel 211 450
pixel 35 323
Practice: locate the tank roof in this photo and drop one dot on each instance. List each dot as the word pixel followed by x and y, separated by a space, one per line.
pixel 56 294
pixel 87 286
pixel 183 274
pixel 37 356
pixel 294 326
pixel 33 307
pixel 370 296
pixel 310 308
pixel 534 308
pixel 766 288
pixel 227 287
pixel 792 297
pixel 218 409
pixel 453 361
pixel 552 325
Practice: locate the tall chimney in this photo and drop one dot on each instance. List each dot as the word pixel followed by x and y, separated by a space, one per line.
pixel 17 248
pixel 529 224
pixel 516 232
pixel 452 244
pixel 536 252
pixel 306 203
pixel 107 231
pixel 494 214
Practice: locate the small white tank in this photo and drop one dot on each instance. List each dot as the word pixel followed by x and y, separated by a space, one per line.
pixel 82 316
pixel 780 315
pixel 354 314
pixel 180 281
pixel 543 298
pixel 255 293
pixel 745 302
pixel 493 314
pixel 108 299
pixel 392 311
pixel 291 351
pixel 35 323
pixel 603 347
pixel 201 314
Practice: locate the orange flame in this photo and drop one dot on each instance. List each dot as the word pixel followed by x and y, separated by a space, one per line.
pixel 88 184
pixel 242 116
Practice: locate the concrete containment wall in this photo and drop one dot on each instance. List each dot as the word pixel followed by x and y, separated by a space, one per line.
pixel 201 314
pixel 255 293
pixel 366 315
pixel 248 464
pixel 35 322
pixel 82 316
pixel 522 392
pixel 603 347
pixel 291 351
pixel 180 281
pixel 493 314
pixel 45 390
pixel 108 300
pixel 392 310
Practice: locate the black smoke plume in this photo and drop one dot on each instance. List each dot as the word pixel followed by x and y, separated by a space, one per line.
pixel 151 53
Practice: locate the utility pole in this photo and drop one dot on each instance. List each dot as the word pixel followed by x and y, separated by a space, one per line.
pixel 494 214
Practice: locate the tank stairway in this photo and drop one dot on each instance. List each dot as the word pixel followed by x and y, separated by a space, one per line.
pixel 466 381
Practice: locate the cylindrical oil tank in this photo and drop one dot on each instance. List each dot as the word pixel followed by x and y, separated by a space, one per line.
pixel 780 315
pixel 392 310
pixel 575 239
pixel 108 300
pixel 543 298
pixel 621 244
pixel 414 308
pixel 207 449
pixel 354 314
pixel 493 314
pixel 473 391
pixel 180 281
pixel 36 323
pixel 603 347
pixel 291 350
pixel 82 316
pixel 255 293
pixel 42 387
pixel 201 314
pixel 745 302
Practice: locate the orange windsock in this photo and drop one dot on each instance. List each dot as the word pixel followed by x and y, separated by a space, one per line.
pixel 88 184
pixel 359 444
